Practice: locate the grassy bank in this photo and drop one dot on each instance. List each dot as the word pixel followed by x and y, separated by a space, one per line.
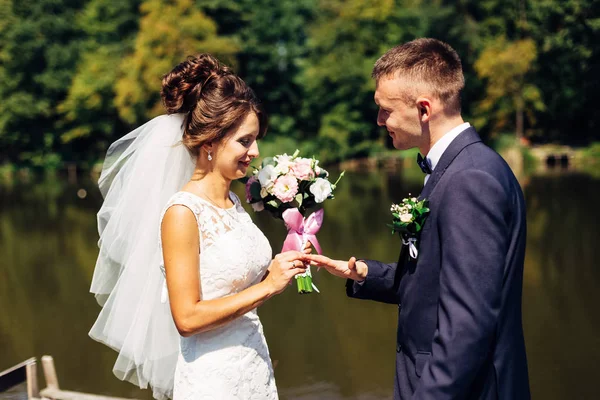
pixel 522 159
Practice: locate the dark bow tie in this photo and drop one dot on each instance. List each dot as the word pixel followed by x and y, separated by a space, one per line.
pixel 424 164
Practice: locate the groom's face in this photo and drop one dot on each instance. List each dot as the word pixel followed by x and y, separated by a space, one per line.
pixel 397 114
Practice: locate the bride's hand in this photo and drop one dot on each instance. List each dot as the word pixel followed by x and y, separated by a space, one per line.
pixel 283 268
pixel 307 247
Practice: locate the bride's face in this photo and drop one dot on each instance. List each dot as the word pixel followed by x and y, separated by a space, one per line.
pixel 233 156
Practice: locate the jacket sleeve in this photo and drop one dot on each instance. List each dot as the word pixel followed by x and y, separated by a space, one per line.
pixel 474 240
pixel 381 283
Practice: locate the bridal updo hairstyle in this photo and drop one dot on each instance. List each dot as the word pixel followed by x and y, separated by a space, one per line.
pixel 213 97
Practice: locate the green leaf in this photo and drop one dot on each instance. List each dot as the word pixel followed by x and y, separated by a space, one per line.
pixel 267 161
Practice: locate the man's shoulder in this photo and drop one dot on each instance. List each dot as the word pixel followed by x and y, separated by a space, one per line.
pixel 481 157
pixel 480 169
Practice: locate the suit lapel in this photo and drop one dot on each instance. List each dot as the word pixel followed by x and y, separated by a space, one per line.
pixel 466 138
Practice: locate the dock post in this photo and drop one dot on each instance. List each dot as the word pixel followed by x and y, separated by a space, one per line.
pixel 50 372
pixel 33 390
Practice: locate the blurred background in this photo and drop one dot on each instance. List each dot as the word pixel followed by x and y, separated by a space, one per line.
pixel 75 75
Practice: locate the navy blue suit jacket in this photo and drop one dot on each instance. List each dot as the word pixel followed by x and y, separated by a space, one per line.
pixel 460 332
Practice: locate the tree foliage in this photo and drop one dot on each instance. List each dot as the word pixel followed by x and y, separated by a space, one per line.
pixel 272 36
pixel 39 51
pixel 506 67
pixel 344 42
pixel 89 115
pixel 77 74
pixel 169 32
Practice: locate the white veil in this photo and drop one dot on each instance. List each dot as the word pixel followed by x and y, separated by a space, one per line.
pixel 142 170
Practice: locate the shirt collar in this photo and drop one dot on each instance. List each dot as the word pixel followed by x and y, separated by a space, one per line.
pixel 434 155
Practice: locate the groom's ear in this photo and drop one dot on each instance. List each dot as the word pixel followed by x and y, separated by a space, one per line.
pixel 424 105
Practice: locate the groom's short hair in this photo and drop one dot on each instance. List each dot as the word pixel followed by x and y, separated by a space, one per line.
pixel 428 62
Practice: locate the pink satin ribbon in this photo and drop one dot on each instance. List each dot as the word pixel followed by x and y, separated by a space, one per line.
pixel 300 229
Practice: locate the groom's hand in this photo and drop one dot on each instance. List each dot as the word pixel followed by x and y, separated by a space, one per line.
pixel 351 269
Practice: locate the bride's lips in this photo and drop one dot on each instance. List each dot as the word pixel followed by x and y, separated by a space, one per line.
pixel 245 163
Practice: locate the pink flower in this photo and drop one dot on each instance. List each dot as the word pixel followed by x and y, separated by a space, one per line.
pixel 248 184
pixel 302 169
pixel 286 187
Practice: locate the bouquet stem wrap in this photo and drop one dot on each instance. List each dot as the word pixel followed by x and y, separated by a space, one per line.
pixel 301 230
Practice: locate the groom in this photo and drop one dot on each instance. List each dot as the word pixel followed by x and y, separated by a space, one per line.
pixel 460 333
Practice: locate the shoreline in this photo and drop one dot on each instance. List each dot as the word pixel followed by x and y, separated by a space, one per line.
pixel 519 156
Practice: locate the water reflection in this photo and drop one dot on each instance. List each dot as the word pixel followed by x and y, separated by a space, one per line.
pixel 561 279
pixel 324 346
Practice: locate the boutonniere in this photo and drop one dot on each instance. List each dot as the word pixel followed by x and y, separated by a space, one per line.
pixel 408 219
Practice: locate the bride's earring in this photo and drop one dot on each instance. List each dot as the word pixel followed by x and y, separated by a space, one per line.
pixel 209 156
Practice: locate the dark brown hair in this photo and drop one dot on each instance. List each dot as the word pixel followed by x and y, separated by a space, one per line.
pixel 214 98
pixel 426 61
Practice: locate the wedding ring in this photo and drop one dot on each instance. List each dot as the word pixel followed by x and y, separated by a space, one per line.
pixel 293 264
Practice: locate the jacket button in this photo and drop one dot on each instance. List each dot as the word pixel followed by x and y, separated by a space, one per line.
pixel 398 348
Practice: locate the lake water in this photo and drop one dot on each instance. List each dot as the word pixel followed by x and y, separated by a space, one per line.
pixel 324 346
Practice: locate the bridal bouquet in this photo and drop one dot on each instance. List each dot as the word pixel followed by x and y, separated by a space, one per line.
pixel 290 187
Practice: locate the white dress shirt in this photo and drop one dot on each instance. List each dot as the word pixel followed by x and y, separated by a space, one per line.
pixel 436 151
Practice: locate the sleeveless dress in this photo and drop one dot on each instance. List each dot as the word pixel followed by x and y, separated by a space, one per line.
pixel 232 361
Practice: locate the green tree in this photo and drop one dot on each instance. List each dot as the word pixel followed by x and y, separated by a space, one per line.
pixel 169 31
pixel 89 116
pixel 567 34
pixel 507 67
pixel 39 48
pixel 272 38
pixel 76 74
pixel 344 43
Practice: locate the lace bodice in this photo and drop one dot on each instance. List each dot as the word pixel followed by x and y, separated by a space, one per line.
pixel 234 253
pixel 232 361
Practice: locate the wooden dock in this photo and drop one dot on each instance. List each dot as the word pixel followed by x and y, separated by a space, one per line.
pixel 27 372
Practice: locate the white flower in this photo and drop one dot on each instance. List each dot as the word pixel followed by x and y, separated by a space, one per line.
pixel 319 170
pixel 414 199
pixel 321 189
pixel 264 192
pixel 409 206
pixel 267 176
pixel 396 208
pixel 258 206
pixel 406 217
pixel 284 162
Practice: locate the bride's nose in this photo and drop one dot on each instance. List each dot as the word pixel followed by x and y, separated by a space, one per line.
pixel 253 152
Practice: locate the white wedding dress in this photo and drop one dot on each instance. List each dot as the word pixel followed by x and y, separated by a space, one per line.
pixel 230 362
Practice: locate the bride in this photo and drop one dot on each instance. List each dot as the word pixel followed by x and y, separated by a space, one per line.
pixel 182 268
